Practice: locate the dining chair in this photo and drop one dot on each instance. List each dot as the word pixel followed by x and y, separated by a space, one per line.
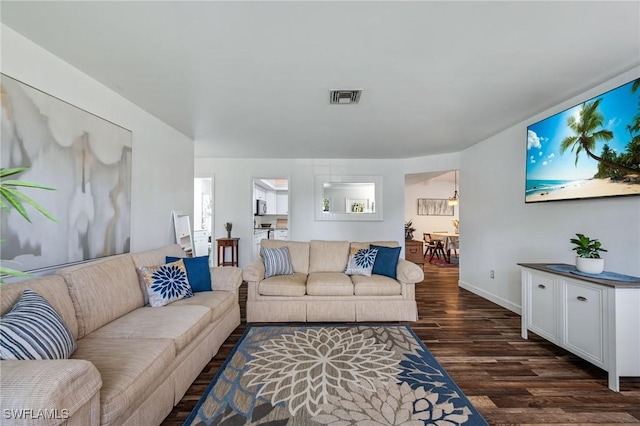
pixel 434 247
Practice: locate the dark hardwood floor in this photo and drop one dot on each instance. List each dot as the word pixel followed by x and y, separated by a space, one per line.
pixel 511 381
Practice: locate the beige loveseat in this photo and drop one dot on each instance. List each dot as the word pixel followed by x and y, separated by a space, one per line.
pixel 133 362
pixel 319 290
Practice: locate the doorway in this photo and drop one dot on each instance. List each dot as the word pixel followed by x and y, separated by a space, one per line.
pixel 270 211
pixel 434 215
pixel 202 216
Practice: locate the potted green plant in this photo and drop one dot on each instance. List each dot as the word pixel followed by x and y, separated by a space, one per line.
pixel 588 250
pixel 409 230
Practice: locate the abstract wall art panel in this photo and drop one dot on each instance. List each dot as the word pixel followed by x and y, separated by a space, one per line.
pixel 434 207
pixel 86 159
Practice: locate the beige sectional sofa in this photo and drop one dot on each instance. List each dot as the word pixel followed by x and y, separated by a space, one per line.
pixel 320 291
pixel 133 362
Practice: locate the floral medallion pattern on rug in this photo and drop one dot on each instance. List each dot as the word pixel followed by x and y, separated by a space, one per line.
pixel 332 375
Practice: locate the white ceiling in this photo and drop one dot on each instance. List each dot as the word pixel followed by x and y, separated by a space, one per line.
pixel 252 79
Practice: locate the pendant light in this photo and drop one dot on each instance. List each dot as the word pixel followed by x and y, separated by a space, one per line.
pixel 453 201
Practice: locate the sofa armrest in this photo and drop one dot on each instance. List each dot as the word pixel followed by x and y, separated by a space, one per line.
pixel 408 272
pixel 228 278
pixel 47 392
pixel 254 272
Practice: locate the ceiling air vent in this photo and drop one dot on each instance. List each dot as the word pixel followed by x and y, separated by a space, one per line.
pixel 345 97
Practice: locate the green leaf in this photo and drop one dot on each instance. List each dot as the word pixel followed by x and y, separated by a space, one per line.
pixel 12 273
pixel 26 184
pixel 9 172
pixel 8 194
pixel 36 206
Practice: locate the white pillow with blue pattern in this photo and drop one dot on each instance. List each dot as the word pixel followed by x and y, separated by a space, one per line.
pixel 361 262
pixel 277 261
pixel 166 283
pixel 33 329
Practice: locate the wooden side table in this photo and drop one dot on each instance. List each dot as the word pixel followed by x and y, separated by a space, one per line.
pixel 413 251
pixel 223 243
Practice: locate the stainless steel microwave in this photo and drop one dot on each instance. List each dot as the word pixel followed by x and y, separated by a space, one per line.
pixel 261 207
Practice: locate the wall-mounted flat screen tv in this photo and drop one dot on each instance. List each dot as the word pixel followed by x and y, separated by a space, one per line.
pixel 588 151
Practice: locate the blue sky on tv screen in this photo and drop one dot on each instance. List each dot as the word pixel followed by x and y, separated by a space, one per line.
pixel 544 160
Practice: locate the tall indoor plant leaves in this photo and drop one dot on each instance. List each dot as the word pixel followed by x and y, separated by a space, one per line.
pixel 12 197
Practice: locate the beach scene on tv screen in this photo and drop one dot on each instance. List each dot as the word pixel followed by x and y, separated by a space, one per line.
pixel 590 150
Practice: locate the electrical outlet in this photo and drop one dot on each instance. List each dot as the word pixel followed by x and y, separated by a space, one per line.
pixel 493 275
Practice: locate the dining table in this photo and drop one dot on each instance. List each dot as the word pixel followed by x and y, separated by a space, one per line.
pixel 450 242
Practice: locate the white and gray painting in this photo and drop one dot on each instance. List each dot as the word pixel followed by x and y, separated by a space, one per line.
pixel 85 158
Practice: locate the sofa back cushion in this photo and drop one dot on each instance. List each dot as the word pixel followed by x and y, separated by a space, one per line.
pixel 355 246
pixel 156 256
pixel 328 256
pixel 102 291
pixel 52 288
pixel 153 258
pixel 298 252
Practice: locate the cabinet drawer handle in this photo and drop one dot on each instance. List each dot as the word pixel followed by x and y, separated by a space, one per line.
pixel 582 299
pixel 542 286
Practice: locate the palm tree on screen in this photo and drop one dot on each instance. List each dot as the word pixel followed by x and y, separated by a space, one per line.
pixel 588 131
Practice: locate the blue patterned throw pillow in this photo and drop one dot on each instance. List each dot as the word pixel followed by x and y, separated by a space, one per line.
pixel 33 329
pixel 276 261
pixel 166 283
pixel 361 262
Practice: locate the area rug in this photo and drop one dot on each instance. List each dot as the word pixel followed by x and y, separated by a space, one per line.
pixel 444 264
pixel 332 375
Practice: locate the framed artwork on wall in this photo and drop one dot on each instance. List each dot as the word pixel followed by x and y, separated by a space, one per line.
pixel 434 207
pixel 85 159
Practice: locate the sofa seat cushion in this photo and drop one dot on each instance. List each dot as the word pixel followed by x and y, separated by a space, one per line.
pixel 284 285
pixel 376 285
pixel 131 370
pixel 329 284
pixel 57 385
pixel 181 324
pixel 219 302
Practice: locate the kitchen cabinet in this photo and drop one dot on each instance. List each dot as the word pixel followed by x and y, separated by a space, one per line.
pixel 258 236
pixel 271 201
pixel 201 242
pixel 282 202
pixel 259 193
pixel 281 234
pixel 598 320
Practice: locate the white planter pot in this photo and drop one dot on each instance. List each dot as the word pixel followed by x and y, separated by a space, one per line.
pixel 589 266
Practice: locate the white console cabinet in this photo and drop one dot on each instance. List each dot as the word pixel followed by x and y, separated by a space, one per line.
pixel 598 320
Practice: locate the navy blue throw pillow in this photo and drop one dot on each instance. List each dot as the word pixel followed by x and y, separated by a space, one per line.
pixel 386 261
pixel 198 272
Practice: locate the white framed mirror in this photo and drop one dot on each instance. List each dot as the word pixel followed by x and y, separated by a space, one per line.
pixel 348 198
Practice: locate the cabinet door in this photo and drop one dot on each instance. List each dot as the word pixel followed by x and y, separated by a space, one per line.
pixel 282 203
pixel 584 321
pixel 280 234
pixel 543 309
pixel 271 202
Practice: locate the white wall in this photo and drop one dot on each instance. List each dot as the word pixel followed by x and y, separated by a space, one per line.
pixel 234 197
pixel 440 187
pixel 497 229
pixel 162 175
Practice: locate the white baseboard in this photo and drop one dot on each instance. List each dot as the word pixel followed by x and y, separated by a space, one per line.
pixel 491 297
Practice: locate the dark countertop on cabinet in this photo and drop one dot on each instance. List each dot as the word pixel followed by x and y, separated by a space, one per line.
pixel 610 283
